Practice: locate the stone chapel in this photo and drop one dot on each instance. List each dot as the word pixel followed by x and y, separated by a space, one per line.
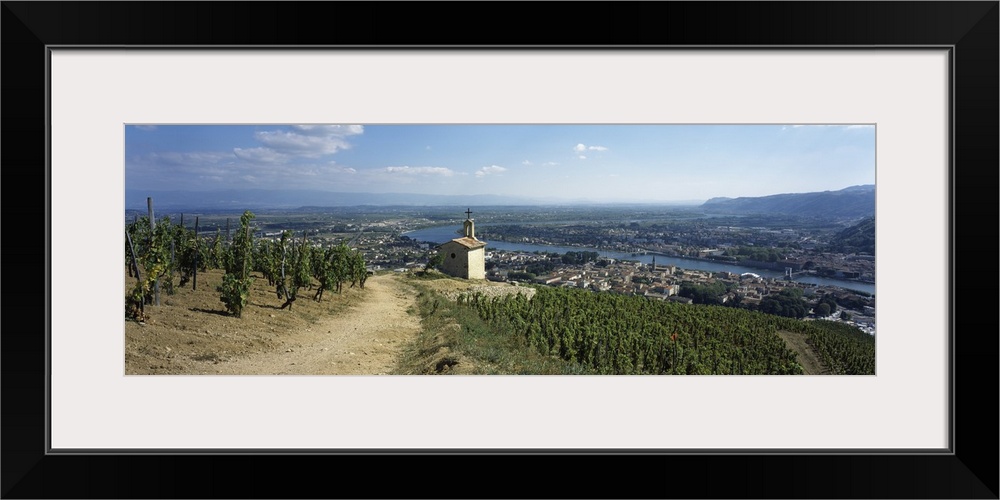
pixel 465 257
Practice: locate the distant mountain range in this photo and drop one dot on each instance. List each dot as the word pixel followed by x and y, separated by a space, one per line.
pixel 854 201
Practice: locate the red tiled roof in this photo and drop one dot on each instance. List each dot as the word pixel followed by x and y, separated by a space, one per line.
pixel 469 242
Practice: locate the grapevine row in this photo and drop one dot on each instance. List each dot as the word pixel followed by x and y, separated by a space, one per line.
pixel 161 252
pixel 616 334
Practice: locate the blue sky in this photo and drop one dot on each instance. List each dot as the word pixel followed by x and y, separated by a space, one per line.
pixel 598 163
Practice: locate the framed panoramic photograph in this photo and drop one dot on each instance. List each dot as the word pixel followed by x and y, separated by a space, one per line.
pixel 704 253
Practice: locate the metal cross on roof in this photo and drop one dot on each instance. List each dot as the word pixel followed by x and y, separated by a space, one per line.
pixel 468 213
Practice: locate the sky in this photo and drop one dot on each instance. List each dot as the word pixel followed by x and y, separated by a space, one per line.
pixel 554 162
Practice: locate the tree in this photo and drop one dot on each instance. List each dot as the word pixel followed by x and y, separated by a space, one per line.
pixel 434 262
pixel 830 302
pixel 823 309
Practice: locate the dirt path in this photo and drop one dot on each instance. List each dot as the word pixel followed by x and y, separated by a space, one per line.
pixel 366 339
pixel 810 362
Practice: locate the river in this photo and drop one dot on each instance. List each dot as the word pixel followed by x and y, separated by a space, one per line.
pixel 441 234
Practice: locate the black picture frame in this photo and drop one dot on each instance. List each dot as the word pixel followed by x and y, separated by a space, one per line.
pixel 970 470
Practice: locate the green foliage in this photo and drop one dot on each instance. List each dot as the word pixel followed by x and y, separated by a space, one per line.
pixel 845 349
pixel 826 306
pixel 614 334
pixel 704 294
pixel 542 267
pixel 235 288
pixel 188 253
pixel 359 270
pixel 264 260
pixel 475 344
pixel 153 256
pixel 235 293
pixel 822 309
pixel 217 254
pixel 328 269
pixel 520 276
pixel 302 270
pixel 787 303
pixel 434 262
pixel 756 253
pixel 579 258
pixel 296 268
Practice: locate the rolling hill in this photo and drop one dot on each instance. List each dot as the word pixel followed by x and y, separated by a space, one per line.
pixel 851 202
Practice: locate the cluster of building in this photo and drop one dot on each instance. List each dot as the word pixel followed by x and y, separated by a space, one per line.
pixel 663 282
pixel 702 241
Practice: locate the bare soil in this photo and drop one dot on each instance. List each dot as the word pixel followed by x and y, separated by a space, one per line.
pixel 810 361
pixel 357 332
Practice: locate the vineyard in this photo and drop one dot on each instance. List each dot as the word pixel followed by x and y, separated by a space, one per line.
pixel 158 252
pixel 615 334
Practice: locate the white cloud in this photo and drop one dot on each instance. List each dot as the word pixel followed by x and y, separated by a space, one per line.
pixel 407 170
pixel 525 162
pixel 178 164
pixel 328 130
pixel 241 167
pixel 579 149
pixel 146 128
pixel 550 164
pixel 492 169
pixel 308 141
pixel 265 156
pixel 301 144
pixel 175 158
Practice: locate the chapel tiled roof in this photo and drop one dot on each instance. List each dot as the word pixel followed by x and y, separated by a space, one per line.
pixel 469 242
